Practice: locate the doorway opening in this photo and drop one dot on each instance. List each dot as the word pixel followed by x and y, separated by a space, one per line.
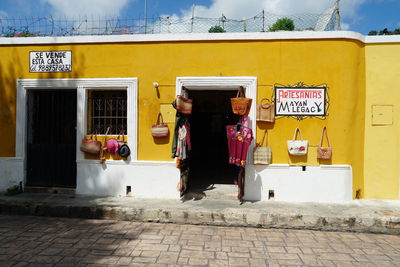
pixel 209 165
pixel 51 138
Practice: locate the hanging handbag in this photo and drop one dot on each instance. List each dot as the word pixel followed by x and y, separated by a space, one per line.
pixel 90 145
pixel 124 151
pixel 262 155
pixel 160 129
pixel 114 144
pixel 183 103
pixel 324 152
pixel 240 104
pixel 297 147
pixel 265 112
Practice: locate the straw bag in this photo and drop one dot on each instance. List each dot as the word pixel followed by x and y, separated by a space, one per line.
pixel 159 130
pixel 262 155
pixel 183 103
pixel 297 147
pixel 324 152
pixel 240 104
pixel 265 112
pixel 90 145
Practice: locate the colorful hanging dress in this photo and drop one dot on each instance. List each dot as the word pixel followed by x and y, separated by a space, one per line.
pixel 239 141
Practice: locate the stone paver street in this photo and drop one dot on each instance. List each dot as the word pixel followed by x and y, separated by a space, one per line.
pixel 43 241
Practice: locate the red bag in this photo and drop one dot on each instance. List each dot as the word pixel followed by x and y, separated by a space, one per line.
pixel 90 145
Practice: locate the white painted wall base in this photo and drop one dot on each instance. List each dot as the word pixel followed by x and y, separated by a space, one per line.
pixel 325 183
pixel 11 172
pixel 147 179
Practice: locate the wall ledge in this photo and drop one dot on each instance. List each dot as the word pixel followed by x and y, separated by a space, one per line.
pixel 137 38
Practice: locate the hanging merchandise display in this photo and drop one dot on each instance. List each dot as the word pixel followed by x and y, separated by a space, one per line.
pixel 297 147
pixel 262 155
pixel 240 104
pixel 266 111
pixel 239 139
pixel 181 145
pixel 183 103
pixel 324 152
pixel 160 129
pixel 91 145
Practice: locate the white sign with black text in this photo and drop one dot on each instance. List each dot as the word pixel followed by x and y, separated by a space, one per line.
pixel 296 101
pixel 50 61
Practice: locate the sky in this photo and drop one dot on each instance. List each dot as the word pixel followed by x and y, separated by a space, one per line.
pixel 356 15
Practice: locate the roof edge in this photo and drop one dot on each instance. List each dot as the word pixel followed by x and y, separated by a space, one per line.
pixel 282 35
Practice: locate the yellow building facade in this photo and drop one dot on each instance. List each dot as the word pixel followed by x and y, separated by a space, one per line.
pixel 360 73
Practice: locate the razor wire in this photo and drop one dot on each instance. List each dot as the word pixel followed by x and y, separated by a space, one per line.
pixel 49 26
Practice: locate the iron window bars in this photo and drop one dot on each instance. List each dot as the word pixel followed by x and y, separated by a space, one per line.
pixel 107 108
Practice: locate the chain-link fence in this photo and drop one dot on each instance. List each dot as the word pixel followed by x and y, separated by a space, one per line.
pixel 49 26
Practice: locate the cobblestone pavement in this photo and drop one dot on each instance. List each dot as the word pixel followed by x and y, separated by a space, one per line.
pixel 43 241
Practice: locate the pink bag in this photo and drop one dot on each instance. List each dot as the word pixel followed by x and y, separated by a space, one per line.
pixel 113 144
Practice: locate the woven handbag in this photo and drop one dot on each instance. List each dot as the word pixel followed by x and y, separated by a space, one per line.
pixel 266 112
pixel 183 103
pixel 262 155
pixel 160 129
pixel 324 152
pixel 91 145
pixel 240 104
pixel 297 147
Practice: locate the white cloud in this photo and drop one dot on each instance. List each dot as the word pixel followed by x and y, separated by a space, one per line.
pixel 345 26
pixel 75 8
pixel 239 9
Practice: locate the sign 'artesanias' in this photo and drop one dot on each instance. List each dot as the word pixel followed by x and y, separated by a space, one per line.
pixel 50 61
pixel 300 101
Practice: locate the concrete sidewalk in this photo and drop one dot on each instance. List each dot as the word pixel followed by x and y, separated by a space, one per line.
pixel 374 216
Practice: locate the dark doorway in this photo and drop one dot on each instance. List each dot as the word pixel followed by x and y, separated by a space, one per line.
pixel 211 114
pixel 51 142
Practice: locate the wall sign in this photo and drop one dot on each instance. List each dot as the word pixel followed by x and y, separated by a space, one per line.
pixel 301 101
pixel 50 61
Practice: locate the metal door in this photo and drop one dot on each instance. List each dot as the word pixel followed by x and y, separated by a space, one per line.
pixel 51 142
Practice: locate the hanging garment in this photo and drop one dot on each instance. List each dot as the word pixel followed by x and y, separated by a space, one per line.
pixel 181 150
pixel 239 140
pixel 180 120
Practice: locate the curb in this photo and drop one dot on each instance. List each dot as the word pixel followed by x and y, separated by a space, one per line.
pixel 261 218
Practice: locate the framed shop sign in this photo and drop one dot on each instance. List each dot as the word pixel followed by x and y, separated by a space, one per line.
pixel 301 101
pixel 50 61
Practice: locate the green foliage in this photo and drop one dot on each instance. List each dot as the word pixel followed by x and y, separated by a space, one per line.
pixel 14 33
pixel 282 24
pixel 215 29
pixel 385 32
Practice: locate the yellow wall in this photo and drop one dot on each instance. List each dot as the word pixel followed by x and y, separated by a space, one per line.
pixel 338 63
pixel 381 172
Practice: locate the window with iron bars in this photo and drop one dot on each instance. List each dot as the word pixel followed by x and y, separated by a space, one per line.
pixel 107 109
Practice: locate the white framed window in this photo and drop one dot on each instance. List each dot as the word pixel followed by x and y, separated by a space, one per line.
pixel 83 87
